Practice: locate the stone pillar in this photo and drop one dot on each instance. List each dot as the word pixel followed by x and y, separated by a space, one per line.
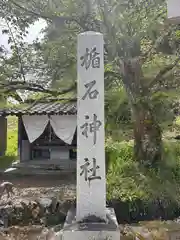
pixel 91 183
pixel 90 220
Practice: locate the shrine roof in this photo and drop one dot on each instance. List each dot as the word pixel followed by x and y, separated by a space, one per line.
pixel 42 108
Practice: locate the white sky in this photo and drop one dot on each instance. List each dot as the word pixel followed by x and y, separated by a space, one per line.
pixel 34 32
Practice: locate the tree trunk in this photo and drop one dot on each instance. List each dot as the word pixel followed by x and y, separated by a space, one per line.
pixel 147 132
pixel 147 136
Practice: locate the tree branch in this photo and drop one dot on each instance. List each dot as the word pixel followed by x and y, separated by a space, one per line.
pixel 60 19
pixel 43 16
pixel 164 71
pixel 16 85
pixel 29 11
pixel 17 51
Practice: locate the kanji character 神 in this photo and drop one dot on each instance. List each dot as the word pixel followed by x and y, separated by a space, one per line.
pixel 92 127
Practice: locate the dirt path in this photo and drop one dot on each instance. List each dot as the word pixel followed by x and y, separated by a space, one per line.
pixel 63 187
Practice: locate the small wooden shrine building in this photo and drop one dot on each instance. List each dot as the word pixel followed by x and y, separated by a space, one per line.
pixel 46 133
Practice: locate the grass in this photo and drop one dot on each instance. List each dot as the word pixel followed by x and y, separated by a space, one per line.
pixel 143 193
pixel 11 152
pixel 12 123
pixel 127 180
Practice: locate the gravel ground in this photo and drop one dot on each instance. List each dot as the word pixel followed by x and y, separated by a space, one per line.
pixel 32 187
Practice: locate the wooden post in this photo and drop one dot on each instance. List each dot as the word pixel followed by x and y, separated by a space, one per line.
pixel 3 135
pixel 19 137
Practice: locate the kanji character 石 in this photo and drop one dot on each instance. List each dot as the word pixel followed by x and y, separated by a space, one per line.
pixel 92 94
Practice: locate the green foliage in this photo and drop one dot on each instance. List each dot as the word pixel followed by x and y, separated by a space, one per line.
pixel 117 108
pixel 12 145
pixel 127 180
pixel 177 122
pixel 162 105
pixel 118 112
pixel 121 179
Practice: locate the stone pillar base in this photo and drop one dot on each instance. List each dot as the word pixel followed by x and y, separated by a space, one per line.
pixel 91 231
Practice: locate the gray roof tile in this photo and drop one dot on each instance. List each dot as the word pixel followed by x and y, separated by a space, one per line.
pixel 51 108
